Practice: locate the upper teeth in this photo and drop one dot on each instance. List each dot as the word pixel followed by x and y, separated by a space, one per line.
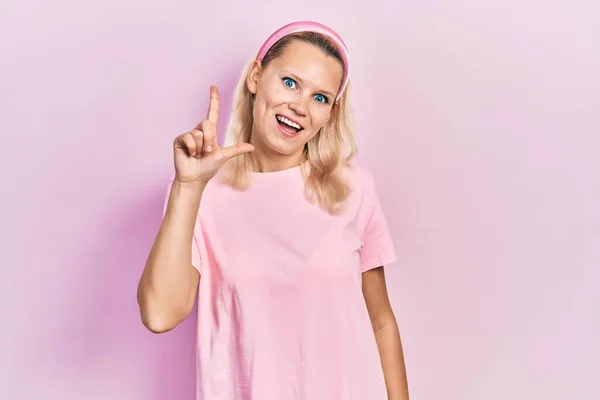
pixel 288 122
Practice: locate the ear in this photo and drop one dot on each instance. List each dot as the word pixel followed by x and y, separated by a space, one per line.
pixel 253 75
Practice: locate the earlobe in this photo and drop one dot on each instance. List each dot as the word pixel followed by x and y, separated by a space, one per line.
pixel 252 77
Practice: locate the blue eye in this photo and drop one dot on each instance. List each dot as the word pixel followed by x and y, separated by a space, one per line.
pixel 289 82
pixel 321 99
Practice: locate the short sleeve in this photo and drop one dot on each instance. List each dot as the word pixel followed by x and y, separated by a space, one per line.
pixel 377 244
pixel 196 260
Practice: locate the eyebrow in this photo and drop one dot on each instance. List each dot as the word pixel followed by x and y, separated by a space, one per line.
pixel 296 77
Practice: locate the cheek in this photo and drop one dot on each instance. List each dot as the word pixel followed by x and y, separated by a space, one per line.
pixel 320 115
pixel 272 93
pixel 262 104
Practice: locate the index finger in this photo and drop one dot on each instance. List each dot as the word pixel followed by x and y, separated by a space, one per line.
pixel 213 106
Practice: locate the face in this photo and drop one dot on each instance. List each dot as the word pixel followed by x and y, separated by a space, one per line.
pixel 294 97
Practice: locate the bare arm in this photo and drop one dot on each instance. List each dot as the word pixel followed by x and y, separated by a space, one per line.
pixel 386 333
pixel 169 282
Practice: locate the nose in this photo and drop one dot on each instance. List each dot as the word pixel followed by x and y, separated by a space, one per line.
pixel 298 107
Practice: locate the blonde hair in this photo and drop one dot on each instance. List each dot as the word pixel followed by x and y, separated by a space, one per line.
pixel 326 155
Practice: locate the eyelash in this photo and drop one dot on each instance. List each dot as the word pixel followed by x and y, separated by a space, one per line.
pixel 325 99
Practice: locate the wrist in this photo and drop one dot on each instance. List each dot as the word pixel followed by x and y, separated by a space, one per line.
pixel 188 186
pixel 187 192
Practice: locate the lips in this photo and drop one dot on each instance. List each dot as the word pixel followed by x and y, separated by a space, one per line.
pixel 289 124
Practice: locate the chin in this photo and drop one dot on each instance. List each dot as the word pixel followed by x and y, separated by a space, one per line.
pixel 282 147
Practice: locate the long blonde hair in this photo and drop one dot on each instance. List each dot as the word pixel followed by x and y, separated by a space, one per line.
pixel 326 155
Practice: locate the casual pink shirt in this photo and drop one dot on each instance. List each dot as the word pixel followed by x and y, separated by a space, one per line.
pixel 281 314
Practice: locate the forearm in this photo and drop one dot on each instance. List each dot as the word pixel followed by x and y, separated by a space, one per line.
pixel 392 360
pixel 165 289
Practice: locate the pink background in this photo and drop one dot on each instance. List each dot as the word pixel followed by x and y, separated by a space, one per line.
pixel 480 120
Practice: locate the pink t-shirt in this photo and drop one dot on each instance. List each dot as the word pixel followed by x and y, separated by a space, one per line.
pixel 281 314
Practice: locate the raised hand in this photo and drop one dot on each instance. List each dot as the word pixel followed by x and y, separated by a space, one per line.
pixel 198 156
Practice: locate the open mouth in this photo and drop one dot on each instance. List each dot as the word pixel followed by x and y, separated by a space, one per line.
pixel 288 125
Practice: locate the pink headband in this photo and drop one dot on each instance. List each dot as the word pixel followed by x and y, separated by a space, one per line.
pixel 310 26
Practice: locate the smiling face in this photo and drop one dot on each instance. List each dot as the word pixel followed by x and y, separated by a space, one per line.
pixel 294 97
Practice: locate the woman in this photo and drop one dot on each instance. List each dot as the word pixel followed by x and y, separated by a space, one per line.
pixel 280 237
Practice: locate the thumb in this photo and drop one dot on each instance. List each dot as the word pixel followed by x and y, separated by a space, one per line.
pixel 236 150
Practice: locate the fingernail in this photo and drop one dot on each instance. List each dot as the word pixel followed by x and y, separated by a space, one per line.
pixel 208 148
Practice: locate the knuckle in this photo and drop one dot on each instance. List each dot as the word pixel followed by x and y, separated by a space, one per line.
pixel 197 133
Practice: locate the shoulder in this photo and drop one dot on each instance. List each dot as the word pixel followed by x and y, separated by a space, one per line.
pixel 360 179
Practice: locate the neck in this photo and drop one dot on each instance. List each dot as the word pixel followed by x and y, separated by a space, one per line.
pixel 262 162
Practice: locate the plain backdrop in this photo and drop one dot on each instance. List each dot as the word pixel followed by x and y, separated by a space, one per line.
pixel 479 120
